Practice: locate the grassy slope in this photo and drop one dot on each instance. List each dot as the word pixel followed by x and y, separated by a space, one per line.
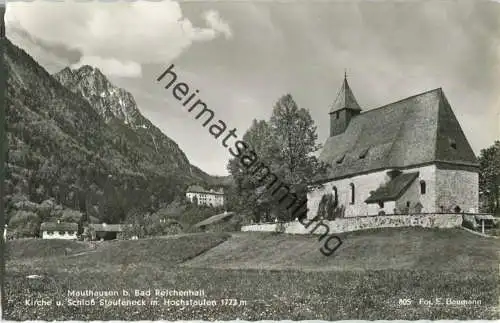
pixel 409 263
pixel 27 249
pixel 408 248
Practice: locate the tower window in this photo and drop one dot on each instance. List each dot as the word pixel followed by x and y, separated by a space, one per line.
pixel 363 154
pixel 423 187
pixel 353 191
pixel 335 196
pixel 453 143
pixel 341 159
pixel 336 115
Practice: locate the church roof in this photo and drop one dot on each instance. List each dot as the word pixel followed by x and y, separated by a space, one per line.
pixel 393 189
pixel 416 130
pixel 345 99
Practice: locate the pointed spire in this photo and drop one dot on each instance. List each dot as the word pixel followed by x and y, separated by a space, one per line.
pixel 345 98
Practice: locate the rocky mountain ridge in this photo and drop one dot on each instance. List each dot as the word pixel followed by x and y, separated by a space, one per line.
pixel 119 110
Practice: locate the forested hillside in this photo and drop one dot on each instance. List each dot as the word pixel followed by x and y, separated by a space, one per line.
pixel 76 142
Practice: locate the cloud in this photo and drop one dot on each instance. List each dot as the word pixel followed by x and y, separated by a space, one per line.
pixel 110 66
pixel 115 34
pixel 215 22
pixel 71 55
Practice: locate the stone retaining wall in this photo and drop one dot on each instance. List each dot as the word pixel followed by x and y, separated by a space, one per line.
pixel 367 222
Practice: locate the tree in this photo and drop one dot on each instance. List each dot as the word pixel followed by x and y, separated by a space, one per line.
pixel 112 205
pixel 295 130
pixel 69 215
pixel 286 145
pixel 489 179
pixel 244 196
pixel 25 224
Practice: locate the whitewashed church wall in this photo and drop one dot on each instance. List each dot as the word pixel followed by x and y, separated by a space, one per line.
pixel 413 194
pixel 364 184
pixel 457 188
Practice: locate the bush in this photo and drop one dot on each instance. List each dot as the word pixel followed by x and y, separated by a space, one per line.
pixel 24 224
pixel 172 227
pixel 328 208
pixel 131 231
pixel 280 227
pixel 45 209
pixel 469 222
pixel 69 215
pixel 93 219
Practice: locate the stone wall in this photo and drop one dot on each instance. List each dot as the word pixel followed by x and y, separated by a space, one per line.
pixel 430 220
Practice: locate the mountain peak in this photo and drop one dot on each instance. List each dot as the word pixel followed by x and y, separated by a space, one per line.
pixel 110 101
pixel 90 71
pixel 66 71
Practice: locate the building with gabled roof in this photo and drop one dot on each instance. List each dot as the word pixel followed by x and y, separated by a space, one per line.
pixel 104 231
pixel 407 155
pixel 59 230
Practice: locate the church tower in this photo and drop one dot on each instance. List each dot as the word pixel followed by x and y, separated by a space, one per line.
pixel 343 109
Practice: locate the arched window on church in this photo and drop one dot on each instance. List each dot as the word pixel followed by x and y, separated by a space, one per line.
pixel 335 196
pixel 423 187
pixel 353 192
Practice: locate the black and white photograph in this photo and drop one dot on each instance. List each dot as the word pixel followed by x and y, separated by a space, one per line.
pixel 250 160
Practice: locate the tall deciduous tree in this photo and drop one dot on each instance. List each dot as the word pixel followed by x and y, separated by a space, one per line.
pixel 286 145
pixel 489 179
pixel 294 128
pixel 245 197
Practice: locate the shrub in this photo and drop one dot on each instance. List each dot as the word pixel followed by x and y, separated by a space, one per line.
pixel 25 224
pixel 69 215
pixel 469 222
pixel 327 209
pixel 131 231
pixel 280 227
pixel 45 209
pixel 339 212
pixel 172 227
pixel 330 210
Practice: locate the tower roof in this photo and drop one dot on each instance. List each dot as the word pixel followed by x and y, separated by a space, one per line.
pixel 345 99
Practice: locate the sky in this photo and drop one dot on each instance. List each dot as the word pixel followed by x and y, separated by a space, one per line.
pixel 243 56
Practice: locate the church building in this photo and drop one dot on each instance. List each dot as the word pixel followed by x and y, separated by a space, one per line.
pixel 409 156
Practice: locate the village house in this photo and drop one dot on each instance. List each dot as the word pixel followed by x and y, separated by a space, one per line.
pixel 409 156
pixel 105 231
pixel 59 230
pixel 198 194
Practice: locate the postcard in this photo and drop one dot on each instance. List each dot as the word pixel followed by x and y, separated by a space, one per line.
pixel 250 160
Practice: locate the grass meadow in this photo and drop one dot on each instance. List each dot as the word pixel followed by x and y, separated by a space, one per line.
pixel 270 276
